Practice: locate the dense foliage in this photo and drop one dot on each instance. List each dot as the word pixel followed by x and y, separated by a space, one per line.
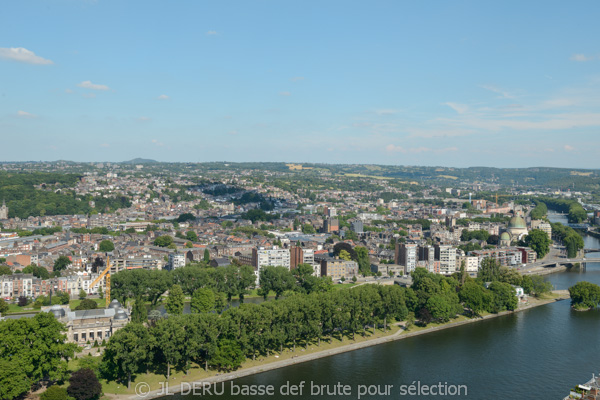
pixel 569 237
pixel 41 193
pixel 32 349
pixel 539 241
pixel 585 295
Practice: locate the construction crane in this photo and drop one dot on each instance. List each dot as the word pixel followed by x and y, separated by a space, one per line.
pixel 105 273
pixel 503 195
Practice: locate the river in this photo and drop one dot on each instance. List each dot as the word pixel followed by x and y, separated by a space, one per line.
pixel 539 353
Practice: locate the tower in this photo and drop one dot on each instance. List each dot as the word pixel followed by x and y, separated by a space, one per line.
pixel 3 211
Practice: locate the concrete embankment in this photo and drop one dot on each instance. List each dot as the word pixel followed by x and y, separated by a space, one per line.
pixel 546 270
pixel 399 335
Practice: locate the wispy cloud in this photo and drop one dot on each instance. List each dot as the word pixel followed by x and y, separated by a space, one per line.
pixel 392 148
pixel 105 145
pixel 386 111
pixel 23 55
pixel 297 78
pixel 568 147
pixel 25 115
pixel 157 143
pixel 92 86
pixel 581 58
pixel 459 108
pixel 285 94
pixel 232 133
pixel 211 33
pixel 143 119
pixel 163 97
pixel 503 93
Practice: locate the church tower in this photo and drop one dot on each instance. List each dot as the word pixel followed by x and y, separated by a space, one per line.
pixel 3 211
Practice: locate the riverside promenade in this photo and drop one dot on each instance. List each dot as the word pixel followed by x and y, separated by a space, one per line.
pixel 399 335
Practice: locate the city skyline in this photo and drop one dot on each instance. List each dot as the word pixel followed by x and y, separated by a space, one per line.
pixel 460 84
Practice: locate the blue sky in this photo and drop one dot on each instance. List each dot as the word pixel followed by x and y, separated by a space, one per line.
pixel 450 83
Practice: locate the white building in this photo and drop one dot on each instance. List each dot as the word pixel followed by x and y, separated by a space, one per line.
pixel 176 260
pixel 446 254
pixel 270 257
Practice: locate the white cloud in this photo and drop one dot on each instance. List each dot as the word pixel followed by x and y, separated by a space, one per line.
pixel 21 54
pixel 25 114
pixel 92 86
pixel 386 111
pixel 459 108
pixel 211 33
pixel 68 91
pixel 156 142
pixel 143 119
pixel 569 148
pixel 503 94
pixel 104 145
pixel 297 78
pixel 285 94
pixel 581 58
pixel 163 97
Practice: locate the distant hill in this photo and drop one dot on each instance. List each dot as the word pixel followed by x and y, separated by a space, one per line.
pixel 140 161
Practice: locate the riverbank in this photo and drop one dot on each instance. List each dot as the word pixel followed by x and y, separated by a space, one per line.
pixel 271 363
pixel 545 270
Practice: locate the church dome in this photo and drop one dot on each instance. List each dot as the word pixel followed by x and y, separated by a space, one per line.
pixel 517 222
pixel 114 304
pixel 505 236
pixel 120 315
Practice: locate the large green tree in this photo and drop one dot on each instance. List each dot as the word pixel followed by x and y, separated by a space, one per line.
pixel 106 246
pixel 175 300
pixel 84 385
pixel 539 241
pixel 61 263
pixel 473 296
pixel 33 349
pixel 585 295
pixel 203 300
pixel 127 352
pixel 277 279
pixel 163 241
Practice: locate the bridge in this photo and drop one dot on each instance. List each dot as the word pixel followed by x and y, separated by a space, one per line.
pixel 540 266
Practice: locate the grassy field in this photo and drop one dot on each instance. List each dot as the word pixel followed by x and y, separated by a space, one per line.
pixel 74 303
pixel 14 308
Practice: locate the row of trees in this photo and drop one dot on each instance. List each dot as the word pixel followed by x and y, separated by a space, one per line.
pixel 569 237
pixel 228 282
pixel 576 212
pixel 540 211
pixel 211 337
pixel 224 341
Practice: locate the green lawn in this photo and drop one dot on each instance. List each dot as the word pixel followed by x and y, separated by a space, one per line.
pixel 339 286
pixel 13 308
pixel 74 303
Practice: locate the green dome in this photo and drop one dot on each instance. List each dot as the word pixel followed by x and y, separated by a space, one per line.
pixel 505 236
pixel 517 222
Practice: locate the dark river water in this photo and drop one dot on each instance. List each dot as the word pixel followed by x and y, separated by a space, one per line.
pixel 539 353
